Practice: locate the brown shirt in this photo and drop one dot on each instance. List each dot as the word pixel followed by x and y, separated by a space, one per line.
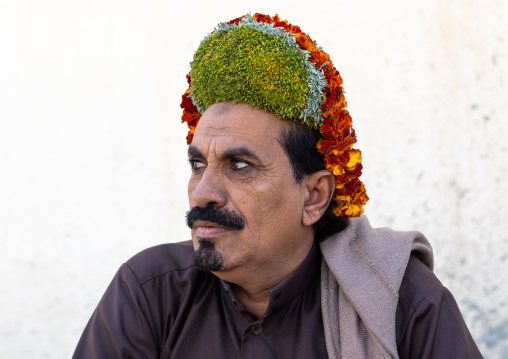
pixel 160 306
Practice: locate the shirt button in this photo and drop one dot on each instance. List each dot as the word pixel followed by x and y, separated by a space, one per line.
pixel 256 328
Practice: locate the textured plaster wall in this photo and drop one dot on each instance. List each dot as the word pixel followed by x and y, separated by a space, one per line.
pixel 92 154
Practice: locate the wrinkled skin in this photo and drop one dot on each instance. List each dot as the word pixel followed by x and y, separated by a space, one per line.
pixel 238 165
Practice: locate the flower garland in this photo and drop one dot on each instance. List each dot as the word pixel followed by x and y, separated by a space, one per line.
pixel 338 135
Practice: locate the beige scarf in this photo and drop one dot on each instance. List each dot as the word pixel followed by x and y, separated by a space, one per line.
pixel 361 274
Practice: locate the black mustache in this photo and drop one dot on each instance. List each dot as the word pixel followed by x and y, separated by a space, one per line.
pixel 222 217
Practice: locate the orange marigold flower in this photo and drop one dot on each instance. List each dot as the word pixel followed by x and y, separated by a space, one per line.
pixel 295 29
pixel 319 58
pixel 191 118
pixel 236 21
pixel 190 135
pixel 262 18
pixel 305 42
pixel 355 171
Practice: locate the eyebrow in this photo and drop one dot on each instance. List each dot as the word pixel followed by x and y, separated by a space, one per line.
pixel 194 152
pixel 240 152
pixel 230 153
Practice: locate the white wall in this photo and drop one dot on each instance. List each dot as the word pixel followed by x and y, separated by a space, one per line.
pixel 92 152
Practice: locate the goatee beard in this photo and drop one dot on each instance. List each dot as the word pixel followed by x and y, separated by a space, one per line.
pixel 207 258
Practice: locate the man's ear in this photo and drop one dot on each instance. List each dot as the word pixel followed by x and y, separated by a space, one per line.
pixel 320 186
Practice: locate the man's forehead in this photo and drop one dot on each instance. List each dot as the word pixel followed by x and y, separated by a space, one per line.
pixel 227 109
pixel 239 120
pixel 229 127
pixel 221 107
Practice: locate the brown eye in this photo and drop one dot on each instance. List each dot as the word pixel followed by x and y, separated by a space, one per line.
pixel 238 165
pixel 195 164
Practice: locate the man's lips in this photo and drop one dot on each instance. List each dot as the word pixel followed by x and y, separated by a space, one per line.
pixel 206 229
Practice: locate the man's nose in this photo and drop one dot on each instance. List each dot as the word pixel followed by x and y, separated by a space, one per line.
pixel 208 189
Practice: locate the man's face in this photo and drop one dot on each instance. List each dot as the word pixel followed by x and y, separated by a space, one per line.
pixel 239 167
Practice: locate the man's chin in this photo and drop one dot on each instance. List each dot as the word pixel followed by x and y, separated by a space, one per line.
pixel 207 258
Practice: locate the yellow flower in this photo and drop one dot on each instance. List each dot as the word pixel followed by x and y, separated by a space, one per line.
pixel 346 199
pixel 338 170
pixel 340 185
pixel 355 156
pixel 354 210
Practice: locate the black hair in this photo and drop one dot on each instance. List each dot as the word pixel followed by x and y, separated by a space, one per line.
pixel 299 141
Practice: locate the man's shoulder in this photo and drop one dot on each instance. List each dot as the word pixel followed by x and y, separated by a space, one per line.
pixel 162 259
pixel 420 290
pixel 418 283
pixel 428 321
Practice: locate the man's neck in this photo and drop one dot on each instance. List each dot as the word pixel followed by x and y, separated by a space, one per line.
pixel 254 300
pixel 255 303
pixel 254 293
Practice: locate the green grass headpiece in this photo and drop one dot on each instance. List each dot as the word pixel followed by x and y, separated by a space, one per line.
pixel 258 64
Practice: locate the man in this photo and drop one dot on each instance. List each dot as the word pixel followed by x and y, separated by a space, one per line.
pixel 282 264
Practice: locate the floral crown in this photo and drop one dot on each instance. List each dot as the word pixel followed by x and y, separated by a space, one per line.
pixel 269 63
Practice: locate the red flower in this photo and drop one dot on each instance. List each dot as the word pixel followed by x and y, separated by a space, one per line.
pixel 236 21
pixel 191 118
pixel 262 18
pixel 283 24
pixel 190 135
pixel 186 102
